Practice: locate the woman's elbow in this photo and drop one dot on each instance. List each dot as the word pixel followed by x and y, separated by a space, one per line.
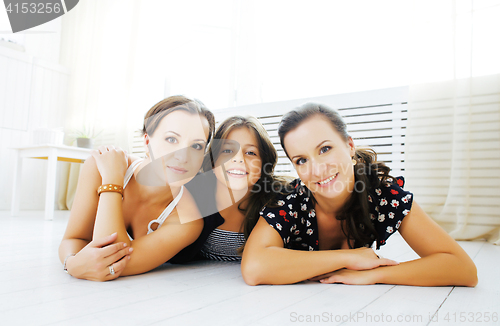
pixel 471 278
pixel 252 271
pixel 473 282
pixel 468 272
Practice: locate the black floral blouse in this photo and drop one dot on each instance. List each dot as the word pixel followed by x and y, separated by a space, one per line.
pixel 294 217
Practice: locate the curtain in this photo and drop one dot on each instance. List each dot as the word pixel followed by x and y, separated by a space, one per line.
pixel 67 185
pixel 452 158
pixel 98 42
pixel 453 154
pixel 99 46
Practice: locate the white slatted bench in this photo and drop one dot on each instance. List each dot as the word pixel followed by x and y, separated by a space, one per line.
pixel 374 118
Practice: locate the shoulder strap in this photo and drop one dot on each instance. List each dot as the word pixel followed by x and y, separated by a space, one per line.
pixel 163 216
pixel 130 171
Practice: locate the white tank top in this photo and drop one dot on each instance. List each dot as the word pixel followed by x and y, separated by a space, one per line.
pixel 166 212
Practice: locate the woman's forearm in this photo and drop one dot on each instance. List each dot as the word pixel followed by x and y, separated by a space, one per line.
pixel 109 217
pixel 111 164
pixel 274 265
pixel 440 269
pixel 161 245
pixel 265 261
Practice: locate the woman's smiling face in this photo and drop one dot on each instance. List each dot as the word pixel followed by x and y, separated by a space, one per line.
pixel 179 141
pixel 321 157
pixel 241 160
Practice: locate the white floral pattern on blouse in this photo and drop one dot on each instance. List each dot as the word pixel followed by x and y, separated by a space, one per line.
pixel 294 217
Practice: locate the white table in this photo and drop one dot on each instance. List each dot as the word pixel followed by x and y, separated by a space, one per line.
pixel 52 153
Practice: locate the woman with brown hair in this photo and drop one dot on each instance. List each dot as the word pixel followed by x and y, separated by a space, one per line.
pixel 345 202
pixel 118 224
pixel 238 181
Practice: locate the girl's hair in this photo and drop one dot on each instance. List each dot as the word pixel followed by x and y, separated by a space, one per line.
pixel 368 172
pixel 174 103
pixel 264 190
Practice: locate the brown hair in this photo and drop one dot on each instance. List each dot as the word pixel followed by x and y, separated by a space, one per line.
pixel 173 103
pixel 268 185
pixel 368 171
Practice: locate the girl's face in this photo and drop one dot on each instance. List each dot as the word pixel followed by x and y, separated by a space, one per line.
pixel 321 157
pixel 179 142
pixel 242 158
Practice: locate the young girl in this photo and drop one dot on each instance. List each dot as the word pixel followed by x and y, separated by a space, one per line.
pixel 345 199
pixel 114 214
pixel 239 180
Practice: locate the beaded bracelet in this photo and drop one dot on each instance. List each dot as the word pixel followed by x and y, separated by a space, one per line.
pixel 110 188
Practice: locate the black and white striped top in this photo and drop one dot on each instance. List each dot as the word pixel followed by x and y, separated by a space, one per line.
pixel 222 245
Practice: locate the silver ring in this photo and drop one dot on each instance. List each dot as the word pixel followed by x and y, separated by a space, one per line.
pixel 111 270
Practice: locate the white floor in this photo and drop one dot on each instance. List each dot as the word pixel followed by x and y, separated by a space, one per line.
pixel 35 291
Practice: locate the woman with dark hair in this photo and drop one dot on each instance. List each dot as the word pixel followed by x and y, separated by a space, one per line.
pixel 238 181
pixel 345 202
pixel 114 211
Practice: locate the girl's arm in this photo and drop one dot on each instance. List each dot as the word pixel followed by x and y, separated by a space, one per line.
pixel 92 258
pixel 266 261
pixel 112 164
pixel 443 261
pixel 154 249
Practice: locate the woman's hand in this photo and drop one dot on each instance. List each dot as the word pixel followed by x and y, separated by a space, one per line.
pixel 365 258
pixel 347 276
pixel 112 163
pixel 359 270
pixel 95 260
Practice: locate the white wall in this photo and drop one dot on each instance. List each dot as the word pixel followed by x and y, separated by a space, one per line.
pixel 33 92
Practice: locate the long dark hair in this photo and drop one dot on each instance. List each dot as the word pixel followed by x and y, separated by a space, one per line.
pixel 265 189
pixel 368 172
